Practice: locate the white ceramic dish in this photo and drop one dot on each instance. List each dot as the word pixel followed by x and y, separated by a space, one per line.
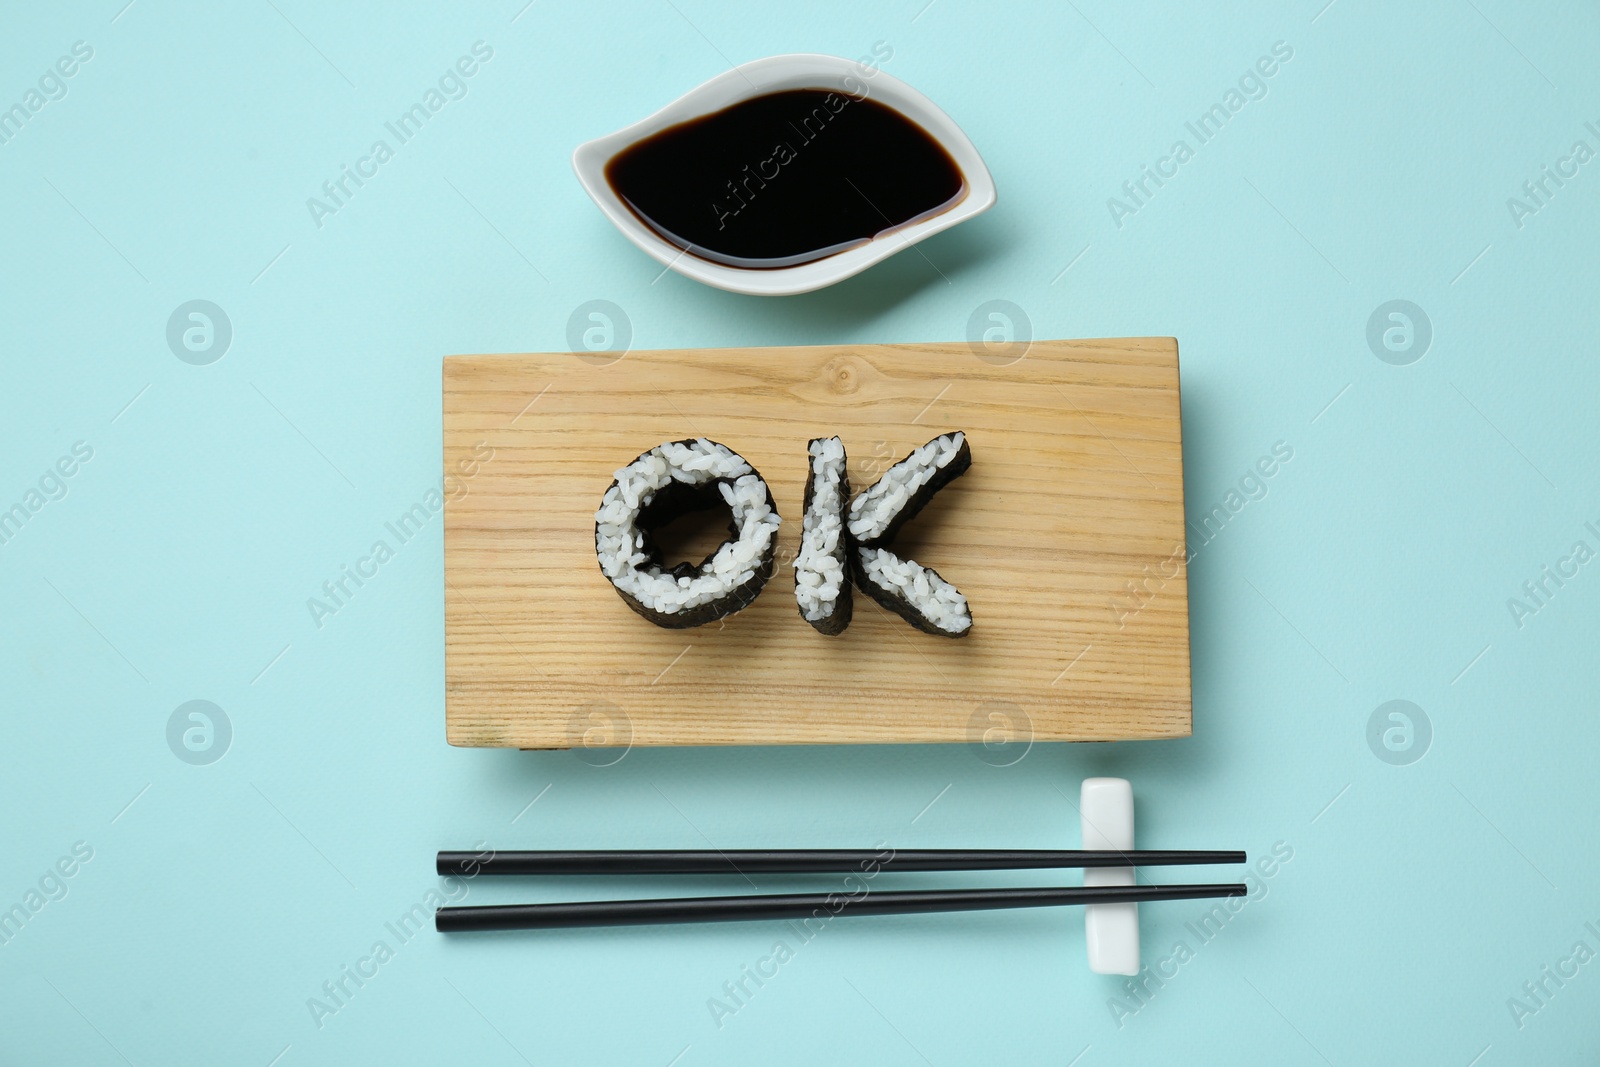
pixel 771 75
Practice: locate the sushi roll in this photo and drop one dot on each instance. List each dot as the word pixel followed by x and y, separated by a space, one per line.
pixel 905 488
pixel 822 566
pixel 668 481
pixel 915 593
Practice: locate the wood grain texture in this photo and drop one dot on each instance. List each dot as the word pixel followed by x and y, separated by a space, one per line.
pixel 1067 537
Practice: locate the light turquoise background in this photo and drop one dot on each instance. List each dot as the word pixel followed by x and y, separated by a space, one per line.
pixel 220 898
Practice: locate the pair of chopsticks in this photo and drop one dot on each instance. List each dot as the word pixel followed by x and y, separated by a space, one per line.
pixel 801 905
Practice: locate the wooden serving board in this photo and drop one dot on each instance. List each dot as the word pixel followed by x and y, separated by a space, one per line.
pixel 1067 537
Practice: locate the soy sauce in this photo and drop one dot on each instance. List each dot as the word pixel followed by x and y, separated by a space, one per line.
pixel 785 178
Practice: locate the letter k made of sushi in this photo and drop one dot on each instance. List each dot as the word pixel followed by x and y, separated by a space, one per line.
pixel 915 593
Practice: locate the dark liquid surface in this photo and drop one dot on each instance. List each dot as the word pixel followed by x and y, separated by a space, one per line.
pixel 785 178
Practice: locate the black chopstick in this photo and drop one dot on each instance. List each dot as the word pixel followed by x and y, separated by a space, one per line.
pixel 802 906
pixel 808 860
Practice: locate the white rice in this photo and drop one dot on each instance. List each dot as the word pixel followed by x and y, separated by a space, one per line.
pixel 934 598
pixel 873 510
pixel 818 567
pixel 620 543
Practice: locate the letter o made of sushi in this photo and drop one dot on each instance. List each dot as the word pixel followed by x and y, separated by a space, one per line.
pixel 669 481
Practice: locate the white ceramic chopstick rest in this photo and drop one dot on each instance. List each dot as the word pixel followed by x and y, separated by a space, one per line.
pixel 1112 930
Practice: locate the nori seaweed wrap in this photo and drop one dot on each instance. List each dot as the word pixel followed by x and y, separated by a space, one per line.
pixel 663 484
pixel 822 565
